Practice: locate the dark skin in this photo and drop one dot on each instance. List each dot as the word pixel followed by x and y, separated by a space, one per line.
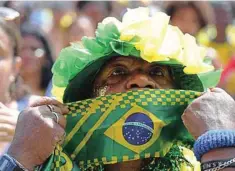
pixel 122 74
pixel 38 122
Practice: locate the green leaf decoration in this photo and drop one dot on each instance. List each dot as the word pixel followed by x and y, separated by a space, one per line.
pixel 107 43
pixel 122 48
pixel 93 45
pixel 106 33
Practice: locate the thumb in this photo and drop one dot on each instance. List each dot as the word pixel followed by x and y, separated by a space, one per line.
pixel 217 90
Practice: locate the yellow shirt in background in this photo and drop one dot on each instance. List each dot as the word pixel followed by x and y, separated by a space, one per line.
pixel 225 51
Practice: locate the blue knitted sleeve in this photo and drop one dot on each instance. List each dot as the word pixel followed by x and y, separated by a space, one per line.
pixel 213 139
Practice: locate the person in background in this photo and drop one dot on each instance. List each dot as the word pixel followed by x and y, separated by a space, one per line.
pixel 14 96
pixel 228 77
pixel 10 15
pixel 10 64
pixel 194 18
pixel 96 10
pixel 23 7
pixel 119 8
pixel 221 38
pixel 63 14
pixel 37 59
pixel 189 16
pixel 81 26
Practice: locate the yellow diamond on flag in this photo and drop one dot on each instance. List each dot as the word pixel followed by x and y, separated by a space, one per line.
pixel 136 130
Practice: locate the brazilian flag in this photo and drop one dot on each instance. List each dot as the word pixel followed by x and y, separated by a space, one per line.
pixel 121 127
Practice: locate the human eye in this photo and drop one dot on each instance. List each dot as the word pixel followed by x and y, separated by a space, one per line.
pixel 118 71
pixel 156 71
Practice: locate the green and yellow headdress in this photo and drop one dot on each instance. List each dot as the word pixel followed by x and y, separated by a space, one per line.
pixel 151 38
pixel 101 121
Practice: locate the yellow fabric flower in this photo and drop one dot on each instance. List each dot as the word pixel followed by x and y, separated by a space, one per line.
pixel 161 48
pixel 189 155
pixel 140 24
pixel 171 46
pixel 151 32
pixel 193 56
pixel 160 41
pixel 135 15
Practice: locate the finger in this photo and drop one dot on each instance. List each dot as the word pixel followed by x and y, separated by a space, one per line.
pixel 205 92
pixel 50 101
pixel 58 136
pixel 48 114
pixel 41 101
pixel 189 111
pixel 202 94
pixel 63 108
pixel 213 95
pixel 61 119
pixel 54 109
pixel 189 123
pixel 217 90
pixel 9 129
pixel 7 120
pixel 205 95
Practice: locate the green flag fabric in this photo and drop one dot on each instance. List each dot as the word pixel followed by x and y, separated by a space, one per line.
pixel 121 127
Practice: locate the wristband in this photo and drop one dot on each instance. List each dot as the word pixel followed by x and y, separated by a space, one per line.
pixel 213 139
pixel 7 163
pixel 18 163
pixel 217 163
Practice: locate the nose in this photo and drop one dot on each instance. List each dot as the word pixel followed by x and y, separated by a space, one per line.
pixel 140 81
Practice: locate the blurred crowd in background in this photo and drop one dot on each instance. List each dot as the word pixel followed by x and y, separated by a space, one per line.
pixel 43 28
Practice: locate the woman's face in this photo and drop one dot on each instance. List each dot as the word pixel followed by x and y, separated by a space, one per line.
pixel 187 20
pixel 82 27
pixel 32 54
pixel 6 64
pixel 95 11
pixel 122 74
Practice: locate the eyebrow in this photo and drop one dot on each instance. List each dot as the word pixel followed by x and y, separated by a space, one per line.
pixel 155 64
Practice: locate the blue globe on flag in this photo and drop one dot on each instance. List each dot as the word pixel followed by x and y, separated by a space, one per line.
pixel 138 129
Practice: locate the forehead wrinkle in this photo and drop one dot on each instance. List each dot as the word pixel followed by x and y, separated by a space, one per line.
pixel 121 60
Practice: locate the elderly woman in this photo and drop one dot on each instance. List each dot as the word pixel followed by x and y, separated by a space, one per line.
pixel 126 90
